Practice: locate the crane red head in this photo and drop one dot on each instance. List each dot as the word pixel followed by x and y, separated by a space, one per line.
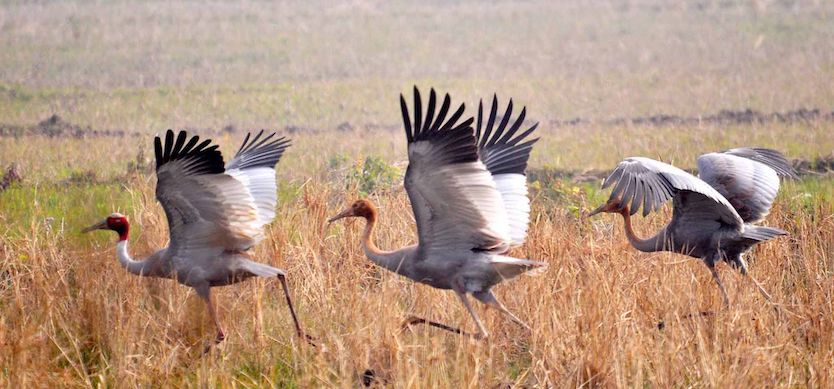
pixel 115 222
pixel 359 208
pixel 612 206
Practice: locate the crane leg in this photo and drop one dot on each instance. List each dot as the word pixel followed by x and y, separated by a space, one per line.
pixel 761 288
pixel 205 293
pixel 411 320
pixel 482 332
pixel 283 278
pixel 489 299
pixel 717 279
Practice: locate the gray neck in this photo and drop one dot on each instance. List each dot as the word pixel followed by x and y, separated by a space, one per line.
pixel 653 244
pixel 398 261
pixel 144 268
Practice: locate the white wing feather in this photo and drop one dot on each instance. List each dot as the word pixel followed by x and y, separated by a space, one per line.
pixel 513 189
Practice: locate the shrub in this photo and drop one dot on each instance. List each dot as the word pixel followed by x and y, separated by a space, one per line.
pixel 372 175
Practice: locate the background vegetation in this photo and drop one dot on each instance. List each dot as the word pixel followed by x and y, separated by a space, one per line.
pixel 328 75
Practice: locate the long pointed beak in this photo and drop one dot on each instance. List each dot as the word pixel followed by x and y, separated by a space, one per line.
pixel 346 213
pixel 102 225
pixel 598 210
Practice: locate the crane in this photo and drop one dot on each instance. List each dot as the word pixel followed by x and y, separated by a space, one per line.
pixel 468 192
pixel 216 213
pixel 714 214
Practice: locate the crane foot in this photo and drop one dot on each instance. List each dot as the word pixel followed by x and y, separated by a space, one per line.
pixel 309 339
pixel 412 320
pixel 219 338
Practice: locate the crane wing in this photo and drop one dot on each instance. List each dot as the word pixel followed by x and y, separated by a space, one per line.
pixel 643 182
pixel 748 178
pixel 455 201
pixel 254 166
pixel 505 154
pixel 772 158
pixel 208 210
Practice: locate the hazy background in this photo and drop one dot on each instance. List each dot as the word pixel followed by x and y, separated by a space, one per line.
pixel 152 65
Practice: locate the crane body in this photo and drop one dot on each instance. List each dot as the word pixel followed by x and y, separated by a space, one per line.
pixel 714 215
pixel 468 192
pixel 216 213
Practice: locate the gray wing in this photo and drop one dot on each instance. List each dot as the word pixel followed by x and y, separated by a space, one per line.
pixel 254 166
pixel 748 178
pixel 505 154
pixel 772 158
pixel 456 204
pixel 643 182
pixel 694 218
pixel 208 211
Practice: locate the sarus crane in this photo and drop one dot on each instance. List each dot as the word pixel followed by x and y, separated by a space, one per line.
pixel 714 214
pixel 468 192
pixel 216 213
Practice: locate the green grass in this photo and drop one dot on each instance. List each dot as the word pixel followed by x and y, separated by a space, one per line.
pixel 61 209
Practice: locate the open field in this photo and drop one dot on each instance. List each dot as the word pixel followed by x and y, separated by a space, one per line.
pixel 329 75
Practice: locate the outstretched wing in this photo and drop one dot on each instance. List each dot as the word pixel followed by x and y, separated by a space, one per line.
pixel 208 211
pixel 254 166
pixel 455 201
pixel 748 178
pixel 505 153
pixel 643 182
pixel 772 158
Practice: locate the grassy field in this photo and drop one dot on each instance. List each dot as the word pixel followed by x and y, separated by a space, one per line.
pixel 329 75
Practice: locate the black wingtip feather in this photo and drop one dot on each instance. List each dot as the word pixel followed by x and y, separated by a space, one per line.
pixel 199 159
pixel 157 151
pixel 480 121
pixel 409 133
pixel 457 138
pixel 169 141
pixel 260 151
pixel 500 146
pixel 418 110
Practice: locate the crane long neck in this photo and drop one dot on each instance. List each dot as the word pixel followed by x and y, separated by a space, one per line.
pixel 644 245
pixel 141 268
pixel 394 261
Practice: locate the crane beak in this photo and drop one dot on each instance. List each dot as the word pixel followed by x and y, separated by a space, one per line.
pixel 102 225
pixel 599 209
pixel 346 213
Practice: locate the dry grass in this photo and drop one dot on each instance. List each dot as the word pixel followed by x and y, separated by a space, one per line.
pixel 70 317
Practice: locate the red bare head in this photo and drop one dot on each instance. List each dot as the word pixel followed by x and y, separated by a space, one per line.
pixel 359 208
pixel 115 222
pixel 612 206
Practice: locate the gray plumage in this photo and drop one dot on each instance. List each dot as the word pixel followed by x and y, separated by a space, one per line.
pixel 215 212
pixel 714 214
pixel 469 197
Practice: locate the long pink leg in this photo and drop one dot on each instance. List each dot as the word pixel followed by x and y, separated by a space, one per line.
pixel 720 284
pixel 491 301
pixel 482 333
pixel 205 293
pixel 283 278
pixel 412 319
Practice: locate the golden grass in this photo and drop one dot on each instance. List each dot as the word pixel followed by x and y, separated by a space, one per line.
pixel 70 317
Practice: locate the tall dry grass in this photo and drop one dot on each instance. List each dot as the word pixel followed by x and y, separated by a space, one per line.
pixel 70 317
pixel 602 315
